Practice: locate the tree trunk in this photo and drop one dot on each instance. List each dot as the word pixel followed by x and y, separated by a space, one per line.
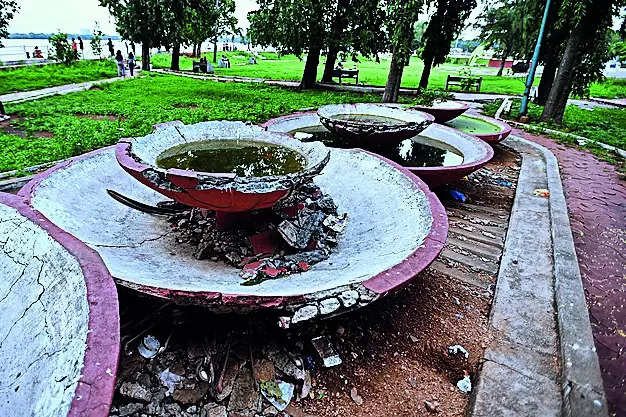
pixel 331 59
pixel 503 61
pixel 562 86
pixel 428 64
pixel 145 56
pixel 309 76
pixel 394 79
pixel 199 50
pixel 547 79
pixel 175 66
pixel 193 50
pixel 215 50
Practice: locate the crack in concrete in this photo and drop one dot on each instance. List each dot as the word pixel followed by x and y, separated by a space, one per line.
pixel 136 245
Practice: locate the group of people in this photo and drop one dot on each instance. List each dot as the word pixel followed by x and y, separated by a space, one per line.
pixel 121 67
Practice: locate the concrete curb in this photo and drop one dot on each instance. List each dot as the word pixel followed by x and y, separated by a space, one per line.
pixel 542 360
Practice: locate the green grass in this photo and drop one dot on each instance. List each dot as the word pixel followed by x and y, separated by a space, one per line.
pixel 289 67
pixel 137 105
pixel 36 77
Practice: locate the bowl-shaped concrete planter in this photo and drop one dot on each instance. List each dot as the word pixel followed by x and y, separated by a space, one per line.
pixel 476 153
pixel 443 110
pixel 486 128
pixel 372 257
pixel 60 322
pixel 220 192
pixel 358 122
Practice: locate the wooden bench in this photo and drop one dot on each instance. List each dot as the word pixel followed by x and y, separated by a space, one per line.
pixel 464 82
pixel 346 73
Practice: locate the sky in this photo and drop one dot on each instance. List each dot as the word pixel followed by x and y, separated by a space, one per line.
pixel 78 16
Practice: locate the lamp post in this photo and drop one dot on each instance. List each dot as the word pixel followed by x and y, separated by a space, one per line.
pixel 533 66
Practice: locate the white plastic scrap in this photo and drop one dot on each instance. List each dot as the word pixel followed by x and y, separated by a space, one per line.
pixel 456 349
pixel 169 380
pixel 336 224
pixel 464 385
pixel 286 390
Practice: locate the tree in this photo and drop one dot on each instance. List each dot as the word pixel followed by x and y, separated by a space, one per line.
pixel 401 15
pixel 500 30
pixel 61 49
pixel 96 41
pixel 225 23
pixel 444 26
pixel 8 8
pixel 140 21
pixel 584 54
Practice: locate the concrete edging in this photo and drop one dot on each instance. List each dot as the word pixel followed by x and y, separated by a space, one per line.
pixel 542 360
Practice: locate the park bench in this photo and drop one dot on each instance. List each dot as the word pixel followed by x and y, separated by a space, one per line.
pixel 346 73
pixel 464 82
pixel 202 66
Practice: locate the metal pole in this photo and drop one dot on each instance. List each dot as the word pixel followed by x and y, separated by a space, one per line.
pixel 533 66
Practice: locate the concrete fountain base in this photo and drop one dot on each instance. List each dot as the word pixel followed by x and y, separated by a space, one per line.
pixel 60 325
pixel 396 228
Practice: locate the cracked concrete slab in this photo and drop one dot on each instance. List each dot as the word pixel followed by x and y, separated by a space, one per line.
pixel 47 329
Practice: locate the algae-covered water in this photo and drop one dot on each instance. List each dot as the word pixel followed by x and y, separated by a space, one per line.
pixel 473 125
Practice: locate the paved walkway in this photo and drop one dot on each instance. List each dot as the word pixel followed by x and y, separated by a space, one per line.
pixel 596 200
pixel 53 91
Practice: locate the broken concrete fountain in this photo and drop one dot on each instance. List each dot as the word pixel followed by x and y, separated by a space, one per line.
pixel 60 321
pixel 368 124
pixel 395 225
pixel 438 154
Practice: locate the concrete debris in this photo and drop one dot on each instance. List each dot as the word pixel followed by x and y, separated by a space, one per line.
pixel 245 395
pixel 326 351
pixel 431 406
pixel 278 393
pixel 169 380
pixel 465 384
pixel 336 224
pixel 189 392
pixel 456 349
pixel 356 397
pixel 285 364
pixel 329 305
pixel 304 313
pixel 413 338
pixel 215 410
pixel 149 347
pixel 284 322
pixel 135 391
pixel 264 370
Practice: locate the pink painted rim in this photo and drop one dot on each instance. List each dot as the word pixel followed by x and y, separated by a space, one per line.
pixel 275 120
pixel 382 283
pixel 94 391
pixel 491 137
pixel 443 114
pixel 436 176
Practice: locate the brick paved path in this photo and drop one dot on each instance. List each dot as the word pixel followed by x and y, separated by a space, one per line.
pixel 596 201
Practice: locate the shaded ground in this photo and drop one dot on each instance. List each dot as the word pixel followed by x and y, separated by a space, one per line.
pixel 395 353
pixel 596 200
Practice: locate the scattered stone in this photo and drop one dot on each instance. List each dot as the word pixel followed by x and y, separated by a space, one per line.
pixel 412 382
pixel 326 351
pixel 270 410
pixel 431 406
pixel 214 410
pixel 283 363
pixel 329 305
pixel 413 338
pixel 129 409
pixel 356 397
pixel 456 349
pixel 304 313
pixel 190 392
pixel 149 347
pixel 228 381
pixel 135 391
pixel 244 395
pixel 169 380
pixel 349 298
pixel 464 385
pixel 264 370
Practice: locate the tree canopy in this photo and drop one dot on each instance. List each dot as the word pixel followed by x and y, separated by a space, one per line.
pixel 8 8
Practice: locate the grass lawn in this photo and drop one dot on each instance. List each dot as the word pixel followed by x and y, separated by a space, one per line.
pixel 131 108
pixel 289 67
pixel 34 77
pixel 600 124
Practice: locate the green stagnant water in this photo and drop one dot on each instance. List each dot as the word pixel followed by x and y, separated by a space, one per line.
pixel 419 151
pixel 368 118
pixel 473 125
pixel 245 158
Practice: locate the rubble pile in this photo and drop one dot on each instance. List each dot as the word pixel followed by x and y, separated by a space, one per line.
pixel 299 231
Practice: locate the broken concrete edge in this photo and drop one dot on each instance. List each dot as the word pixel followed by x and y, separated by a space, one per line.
pixel 94 391
pixel 580 371
pixel 351 296
pixel 505 129
pixel 443 114
pixel 580 383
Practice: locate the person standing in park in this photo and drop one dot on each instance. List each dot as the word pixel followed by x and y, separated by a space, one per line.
pixel 131 63
pixel 81 46
pixel 121 71
pixel 75 48
pixel 111 50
